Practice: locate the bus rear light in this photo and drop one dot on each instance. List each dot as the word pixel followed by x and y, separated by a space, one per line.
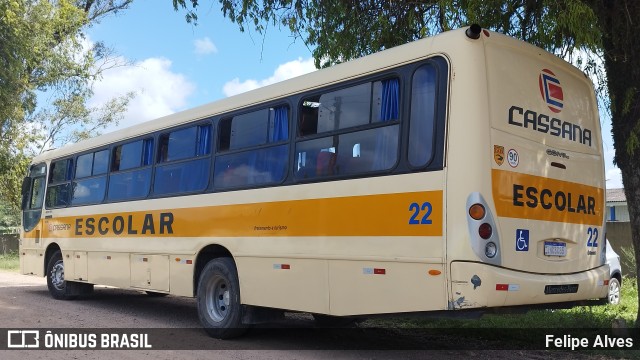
pixel 485 231
pixel 490 250
pixel 477 212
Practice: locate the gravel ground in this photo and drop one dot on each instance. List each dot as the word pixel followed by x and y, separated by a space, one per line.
pixel 25 304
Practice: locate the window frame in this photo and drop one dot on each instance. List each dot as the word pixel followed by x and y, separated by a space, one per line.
pixel 404 73
pixel 112 149
pixel 157 162
pixel 335 134
pixel 288 142
pixel 439 112
pixel 69 174
pixel 92 175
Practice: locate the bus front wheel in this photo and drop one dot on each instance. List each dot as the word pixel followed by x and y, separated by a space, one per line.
pixel 218 296
pixel 55 277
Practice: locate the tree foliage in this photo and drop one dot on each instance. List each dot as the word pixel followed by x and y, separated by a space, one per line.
pixel 340 30
pixel 47 70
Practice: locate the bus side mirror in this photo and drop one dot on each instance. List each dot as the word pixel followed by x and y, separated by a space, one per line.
pixel 26 186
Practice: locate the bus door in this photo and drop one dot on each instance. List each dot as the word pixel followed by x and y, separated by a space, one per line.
pixel 33 188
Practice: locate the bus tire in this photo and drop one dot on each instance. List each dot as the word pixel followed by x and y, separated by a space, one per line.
pixel 219 307
pixel 55 278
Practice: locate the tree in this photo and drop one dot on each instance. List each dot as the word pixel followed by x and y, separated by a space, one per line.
pixel 340 30
pixel 44 55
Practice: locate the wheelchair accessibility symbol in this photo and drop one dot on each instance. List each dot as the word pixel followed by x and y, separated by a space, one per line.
pixel 522 240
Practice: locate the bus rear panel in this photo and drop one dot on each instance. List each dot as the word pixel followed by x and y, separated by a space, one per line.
pixel 535 215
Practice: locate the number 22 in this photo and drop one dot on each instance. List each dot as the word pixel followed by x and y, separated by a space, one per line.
pixel 416 208
pixel 593 237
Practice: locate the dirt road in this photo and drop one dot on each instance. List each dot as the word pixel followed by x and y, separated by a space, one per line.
pixel 26 304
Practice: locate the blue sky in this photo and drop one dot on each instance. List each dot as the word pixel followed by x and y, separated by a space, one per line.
pixel 177 66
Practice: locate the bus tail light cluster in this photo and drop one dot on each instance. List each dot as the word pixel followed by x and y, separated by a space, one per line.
pixel 481 224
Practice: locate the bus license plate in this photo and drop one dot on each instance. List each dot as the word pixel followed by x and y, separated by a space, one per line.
pixel 555 249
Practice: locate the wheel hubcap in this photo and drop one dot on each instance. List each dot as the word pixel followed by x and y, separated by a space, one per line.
pixel 57 275
pixel 218 298
pixel 614 293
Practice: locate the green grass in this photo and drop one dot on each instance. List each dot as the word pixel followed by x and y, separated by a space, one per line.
pixel 10 262
pixel 513 328
pixel 598 316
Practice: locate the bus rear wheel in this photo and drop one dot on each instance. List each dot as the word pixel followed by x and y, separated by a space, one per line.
pixel 219 307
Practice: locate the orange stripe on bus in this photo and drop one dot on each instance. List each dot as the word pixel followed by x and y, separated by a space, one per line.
pixel 534 197
pixel 402 214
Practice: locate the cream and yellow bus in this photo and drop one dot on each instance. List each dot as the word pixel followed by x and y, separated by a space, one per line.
pixel 461 171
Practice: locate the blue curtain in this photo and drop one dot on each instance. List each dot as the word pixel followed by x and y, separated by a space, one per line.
pixel 386 144
pixel 199 169
pixel 280 124
pixel 147 152
pixel 271 160
pixel 204 141
pixel 390 100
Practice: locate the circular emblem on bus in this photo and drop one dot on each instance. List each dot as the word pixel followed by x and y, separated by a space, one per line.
pixel 513 158
pixel 551 90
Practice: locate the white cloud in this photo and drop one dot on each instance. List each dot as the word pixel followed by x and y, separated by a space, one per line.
pixel 204 46
pixel 158 90
pixel 614 178
pixel 285 71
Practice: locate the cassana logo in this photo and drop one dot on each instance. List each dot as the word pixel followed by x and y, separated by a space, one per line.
pixel 551 90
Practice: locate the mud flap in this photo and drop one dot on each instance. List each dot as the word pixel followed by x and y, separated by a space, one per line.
pixel 74 288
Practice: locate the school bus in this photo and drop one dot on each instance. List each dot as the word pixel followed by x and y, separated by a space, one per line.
pixel 459 172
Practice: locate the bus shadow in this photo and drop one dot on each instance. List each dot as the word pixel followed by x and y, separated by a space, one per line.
pixel 172 324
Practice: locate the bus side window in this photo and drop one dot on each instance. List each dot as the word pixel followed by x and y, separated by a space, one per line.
pixel 361 122
pixel 36 196
pixel 130 176
pixel 59 188
pixel 256 153
pixel 183 161
pixel 90 180
pixel 422 119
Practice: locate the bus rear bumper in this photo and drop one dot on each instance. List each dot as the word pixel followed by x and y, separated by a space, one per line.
pixel 477 285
